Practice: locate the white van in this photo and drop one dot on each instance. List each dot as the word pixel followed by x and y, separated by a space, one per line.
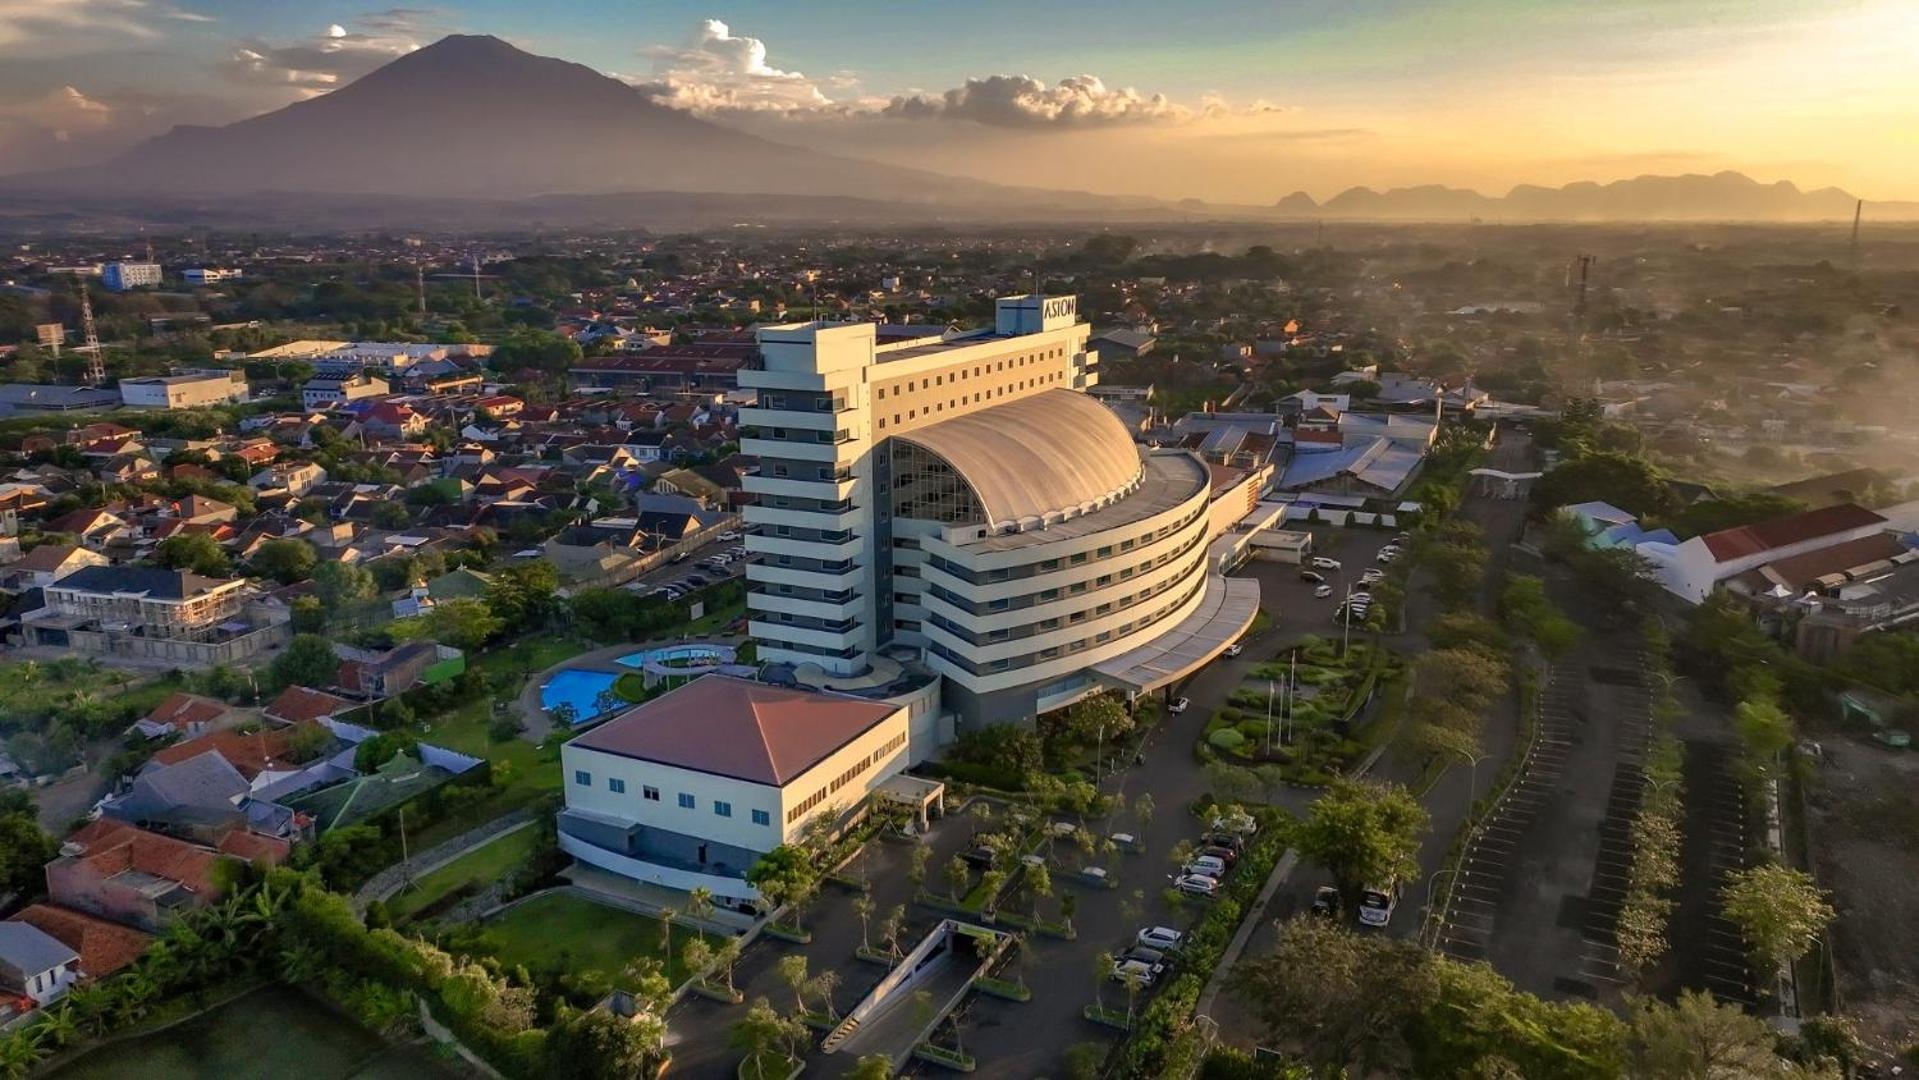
pixel 1376 904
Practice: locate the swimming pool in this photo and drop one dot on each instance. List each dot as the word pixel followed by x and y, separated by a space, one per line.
pixel 680 659
pixel 579 689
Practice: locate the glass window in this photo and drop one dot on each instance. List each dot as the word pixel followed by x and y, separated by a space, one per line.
pixel 722 808
pixel 761 817
pixel 687 801
pixel 650 793
pixel 582 778
pixel 616 786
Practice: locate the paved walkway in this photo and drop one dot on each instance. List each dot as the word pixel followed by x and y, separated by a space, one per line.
pixel 384 884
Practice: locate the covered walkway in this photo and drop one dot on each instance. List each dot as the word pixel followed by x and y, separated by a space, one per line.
pixel 1225 612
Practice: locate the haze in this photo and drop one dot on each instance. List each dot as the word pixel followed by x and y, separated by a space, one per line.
pixel 1235 102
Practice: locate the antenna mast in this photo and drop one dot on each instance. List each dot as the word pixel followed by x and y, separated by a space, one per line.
pixel 476 275
pixel 1858 209
pixel 1585 263
pixel 96 367
pixel 419 285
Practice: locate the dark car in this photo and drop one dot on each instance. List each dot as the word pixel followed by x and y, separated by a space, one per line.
pixel 1326 902
pixel 1144 955
pixel 979 856
pixel 1313 576
pixel 1224 840
pixel 696 581
pixel 1223 854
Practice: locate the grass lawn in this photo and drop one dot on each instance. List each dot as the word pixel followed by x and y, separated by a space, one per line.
pixel 565 930
pixel 490 863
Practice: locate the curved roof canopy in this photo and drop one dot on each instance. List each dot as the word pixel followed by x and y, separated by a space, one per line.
pixel 1056 453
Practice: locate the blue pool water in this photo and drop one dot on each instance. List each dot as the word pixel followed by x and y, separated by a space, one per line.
pixel 580 689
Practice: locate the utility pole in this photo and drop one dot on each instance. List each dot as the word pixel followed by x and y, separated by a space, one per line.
pixel 96 367
pixel 1858 210
pixel 1269 716
pixel 476 275
pixel 419 285
pixel 1584 263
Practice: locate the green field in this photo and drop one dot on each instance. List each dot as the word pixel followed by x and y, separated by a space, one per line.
pixel 562 930
pixel 489 863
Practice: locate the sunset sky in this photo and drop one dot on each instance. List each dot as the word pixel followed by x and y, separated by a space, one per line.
pixel 1232 102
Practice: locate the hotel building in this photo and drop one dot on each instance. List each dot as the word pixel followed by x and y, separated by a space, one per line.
pixel 958 498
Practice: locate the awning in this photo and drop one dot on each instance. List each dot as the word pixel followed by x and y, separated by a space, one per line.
pixel 1225 612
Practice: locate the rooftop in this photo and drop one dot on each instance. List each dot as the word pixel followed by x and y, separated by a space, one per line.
pixel 1168 479
pixel 104 947
pixel 1737 543
pixel 738 728
pixel 142 580
pixel 1057 450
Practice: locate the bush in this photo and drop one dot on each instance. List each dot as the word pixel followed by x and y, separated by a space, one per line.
pixel 1227 739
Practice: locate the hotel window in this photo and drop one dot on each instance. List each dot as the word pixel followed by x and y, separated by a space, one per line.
pixel 650 793
pixel 687 802
pixel 722 808
pixel 616 786
pixel 761 817
pixel 582 778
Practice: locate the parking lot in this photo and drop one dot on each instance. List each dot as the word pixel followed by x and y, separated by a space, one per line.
pixel 1291 598
pixel 696 571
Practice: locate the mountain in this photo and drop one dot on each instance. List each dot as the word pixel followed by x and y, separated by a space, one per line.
pixel 474 117
pixel 1725 196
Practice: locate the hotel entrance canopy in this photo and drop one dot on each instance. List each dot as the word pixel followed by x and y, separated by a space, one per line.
pixel 1224 614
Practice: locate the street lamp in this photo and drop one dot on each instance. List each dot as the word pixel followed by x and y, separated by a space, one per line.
pixel 1429 893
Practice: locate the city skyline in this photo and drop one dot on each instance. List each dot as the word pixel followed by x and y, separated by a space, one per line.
pixel 1242 103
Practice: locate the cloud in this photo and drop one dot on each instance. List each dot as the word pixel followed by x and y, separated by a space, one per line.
pixel 1021 101
pixel 60 115
pixel 331 58
pixel 29 22
pixel 717 70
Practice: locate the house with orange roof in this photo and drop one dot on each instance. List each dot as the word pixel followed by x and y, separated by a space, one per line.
pixel 104 946
pixel 181 714
pixel 129 875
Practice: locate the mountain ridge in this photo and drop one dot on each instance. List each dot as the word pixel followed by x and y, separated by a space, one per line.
pixel 1723 196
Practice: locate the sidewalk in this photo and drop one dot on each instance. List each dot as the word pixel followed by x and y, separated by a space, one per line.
pixel 384 884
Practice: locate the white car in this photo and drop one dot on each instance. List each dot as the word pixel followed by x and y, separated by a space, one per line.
pixel 1372 576
pixel 1211 866
pixel 1197 885
pixel 1241 824
pixel 1385 557
pixel 727 536
pixel 1134 971
pixel 1361 597
pixel 1376 904
pixel 1163 938
pixel 1178 706
pixel 1235 649
pixel 1320 562
pixel 1323 591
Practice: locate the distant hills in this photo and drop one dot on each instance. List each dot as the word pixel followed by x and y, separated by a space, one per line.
pixel 1724 196
pixel 473 132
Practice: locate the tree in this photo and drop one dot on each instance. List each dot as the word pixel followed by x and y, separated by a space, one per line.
pixel 1363 833
pixel 1102 971
pixel 464 623
pixel 1627 481
pixel 284 560
pixel 871 1067
pixel 863 907
pixel 194 551
pixel 1697 1038
pixel 764 1033
pixel 340 585
pixel 666 916
pixel 957 877
pixel 890 928
pixel 697 955
pixel 1780 910
pixel 1039 882
pixel 1347 1000
pixel 916 864
pixel 783 875
pixel 525 595
pixel 24 849
pixel 793 974
pixel 308 660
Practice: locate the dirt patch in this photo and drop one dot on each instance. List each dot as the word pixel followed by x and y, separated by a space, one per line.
pixel 1865 821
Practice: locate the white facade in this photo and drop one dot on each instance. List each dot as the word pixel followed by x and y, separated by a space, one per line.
pixel 211 275
pixel 121 276
pixel 187 391
pixel 830 395
pixel 338 389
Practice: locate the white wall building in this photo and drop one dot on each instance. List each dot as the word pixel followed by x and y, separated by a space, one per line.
pixel 211 275
pixel 186 391
pixel 690 788
pixel 959 495
pixel 121 276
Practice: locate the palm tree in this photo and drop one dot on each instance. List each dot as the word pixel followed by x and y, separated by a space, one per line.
pixel 667 915
pixel 699 902
pixel 18 1056
pixel 300 962
pixel 92 1008
pixel 56 1028
pixel 136 993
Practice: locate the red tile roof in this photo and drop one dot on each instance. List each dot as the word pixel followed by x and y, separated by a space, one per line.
pixel 297 703
pixel 255 848
pixel 739 728
pixel 104 947
pixel 111 847
pixel 182 710
pixel 1800 571
pixel 250 754
pixel 1737 543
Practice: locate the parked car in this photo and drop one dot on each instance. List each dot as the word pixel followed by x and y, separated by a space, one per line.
pixel 1134 971
pixel 1321 562
pixel 1372 576
pixel 1313 576
pixel 978 856
pixel 1178 706
pixel 727 536
pixel 1326 902
pixel 1242 823
pixel 1223 840
pixel 1223 854
pixel 697 581
pixel 1235 649
pixel 1197 885
pixel 1207 866
pixel 1384 557
pixel 1323 591
pixel 1157 959
pixel 1163 938
pixel 1376 904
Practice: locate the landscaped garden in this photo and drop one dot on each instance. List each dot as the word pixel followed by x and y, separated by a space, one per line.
pixel 1319 736
pixel 469 873
pixel 562 931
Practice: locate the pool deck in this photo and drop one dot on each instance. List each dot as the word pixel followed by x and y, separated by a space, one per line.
pixel 535 727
